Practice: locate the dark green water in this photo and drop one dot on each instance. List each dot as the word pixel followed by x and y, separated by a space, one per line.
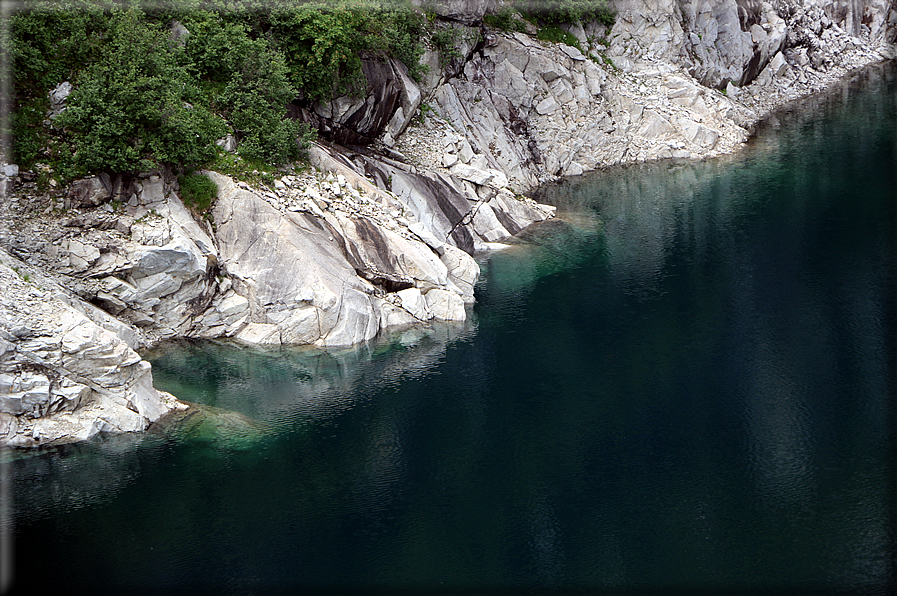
pixel 688 389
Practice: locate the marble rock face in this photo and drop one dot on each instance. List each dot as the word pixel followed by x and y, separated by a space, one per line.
pixel 388 103
pixel 64 376
pixel 326 280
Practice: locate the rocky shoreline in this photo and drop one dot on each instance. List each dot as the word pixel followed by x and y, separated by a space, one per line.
pixel 379 236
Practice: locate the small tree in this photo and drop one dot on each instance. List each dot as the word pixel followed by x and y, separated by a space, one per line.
pixel 136 107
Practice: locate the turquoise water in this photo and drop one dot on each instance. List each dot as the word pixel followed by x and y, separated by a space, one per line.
pixel 684 386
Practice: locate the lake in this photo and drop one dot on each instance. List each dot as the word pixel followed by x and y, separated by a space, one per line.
pixel 683 384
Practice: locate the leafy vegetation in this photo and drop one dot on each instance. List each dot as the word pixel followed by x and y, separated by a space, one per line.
pixel 567 11
pixel 555 34
pixel 447 40
pixel 197 191
pixel 157 85
pixel 144 96
pixel 505 20
pixel 135 106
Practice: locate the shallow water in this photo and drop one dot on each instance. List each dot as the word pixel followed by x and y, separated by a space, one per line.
pixel 686 385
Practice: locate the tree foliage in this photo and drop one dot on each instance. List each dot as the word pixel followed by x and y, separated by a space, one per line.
pixel 144 96
pixel 568 11
pixel 135 106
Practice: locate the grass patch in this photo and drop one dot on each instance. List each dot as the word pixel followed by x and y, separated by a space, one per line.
pixel 555 34
pixel 197 191
pixel 505 20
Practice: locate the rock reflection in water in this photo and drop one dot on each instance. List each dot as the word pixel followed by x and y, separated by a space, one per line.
pixel 243 396
pixel 298 384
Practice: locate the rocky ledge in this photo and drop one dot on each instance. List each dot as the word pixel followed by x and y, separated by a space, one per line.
pixel 324 256
pixel 68 370
pixel 380 233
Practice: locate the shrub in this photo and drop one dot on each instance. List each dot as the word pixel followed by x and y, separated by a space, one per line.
pixel 446 42
pixel 141 99
pixel 397 32
pixel 555 34
pixel 132 109
pixel 324 43
pixel 504 20
pixel 568 11
pixel 254 101
pixel 48 46
pixel 322 47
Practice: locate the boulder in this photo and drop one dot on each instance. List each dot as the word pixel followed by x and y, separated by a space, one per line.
pixel 263 334
pixel 388 260
pixel 58 97
pixel 472 174
pixel 63 377
pixel 282 263
pixel 445 305
pixel 95 190
pixel 415 304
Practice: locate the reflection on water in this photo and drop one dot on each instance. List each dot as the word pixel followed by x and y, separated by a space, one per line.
pixel 684 384
pixel 244 394
pixel 288 383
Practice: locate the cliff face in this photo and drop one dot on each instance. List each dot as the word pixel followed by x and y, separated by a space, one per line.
pixel 381 233
pixel 672 78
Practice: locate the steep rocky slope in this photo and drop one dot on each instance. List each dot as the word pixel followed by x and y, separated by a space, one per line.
pixel 410 180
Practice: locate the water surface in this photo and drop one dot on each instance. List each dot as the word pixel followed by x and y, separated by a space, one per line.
pixel 685 386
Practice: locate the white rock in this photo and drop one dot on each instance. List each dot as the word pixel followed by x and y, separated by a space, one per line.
pixel 84 251
pixel 426 235
pixel 475 175
pixel 574 169
pixel 574 53
pixel 449 159
pixel 465 152
pixel 232 308
pixel 263 334
pixel 463 271
pixel 547 106
pixel 445 305
pixel 297 326
pixel 479 162
pixel 413 301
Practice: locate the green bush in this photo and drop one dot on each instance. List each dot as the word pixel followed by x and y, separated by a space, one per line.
pixel 568 11
pixel 504 20
pixel 48 46
pixel 555 34
pixel 397 32
pixel 446 42
pixel 322 48
pixel 197 191
pixel 254 101
pixel 324 42
pixel 135 107
pixel 141 99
